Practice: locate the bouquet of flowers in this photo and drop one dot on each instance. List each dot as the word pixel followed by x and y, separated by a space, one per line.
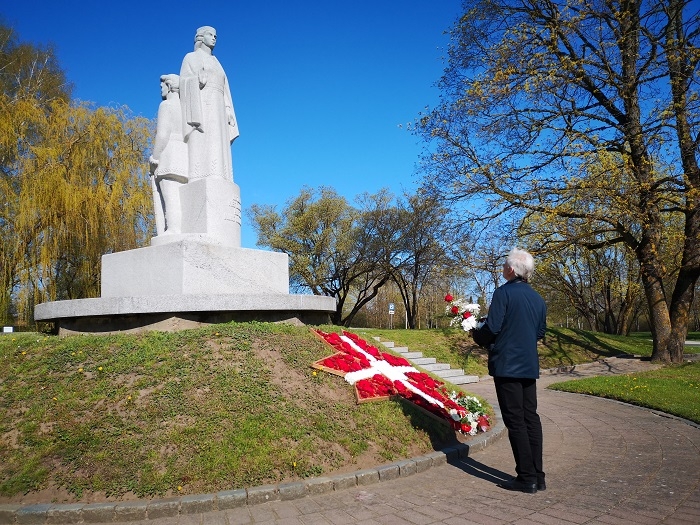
pixel 468 414
pixel 463 314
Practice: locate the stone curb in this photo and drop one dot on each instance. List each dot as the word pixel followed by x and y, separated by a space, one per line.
pixel 40 514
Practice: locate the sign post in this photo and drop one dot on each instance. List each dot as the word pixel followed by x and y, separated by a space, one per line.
pixel 391 315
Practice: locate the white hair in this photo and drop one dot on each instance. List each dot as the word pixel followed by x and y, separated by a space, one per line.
pixel 522 263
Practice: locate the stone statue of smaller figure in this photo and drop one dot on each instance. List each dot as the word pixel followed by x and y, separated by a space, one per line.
pixel 168 162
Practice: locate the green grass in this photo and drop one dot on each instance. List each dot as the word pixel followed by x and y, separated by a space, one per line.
pixel 689 349
pixel 566 346
pixel 673 389
pixel 229 406
pixel 197 411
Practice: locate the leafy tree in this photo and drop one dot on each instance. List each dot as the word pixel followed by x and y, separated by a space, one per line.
pixel 583 112
pixel 426 236
pixel 72 182
pixel 331 246
pixel 29 71
pixel 602 286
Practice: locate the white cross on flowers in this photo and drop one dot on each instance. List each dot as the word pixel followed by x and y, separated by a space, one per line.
pixel 394 373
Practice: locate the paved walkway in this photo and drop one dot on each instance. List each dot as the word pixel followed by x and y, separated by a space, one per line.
pixel 606 463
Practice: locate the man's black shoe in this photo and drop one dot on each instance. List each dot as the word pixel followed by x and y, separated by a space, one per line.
pixel 516 484
pixel 541 485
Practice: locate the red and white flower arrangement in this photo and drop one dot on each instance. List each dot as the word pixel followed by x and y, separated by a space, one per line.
pixel 463 313
pixel 379 375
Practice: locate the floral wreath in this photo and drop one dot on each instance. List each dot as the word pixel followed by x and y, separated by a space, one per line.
pixel 379 375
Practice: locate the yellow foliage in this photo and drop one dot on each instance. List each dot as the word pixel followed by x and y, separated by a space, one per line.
pixel 75 185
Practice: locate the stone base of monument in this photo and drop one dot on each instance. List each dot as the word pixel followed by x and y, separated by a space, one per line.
pixel 197 276
pixel 187 283
pixel 168 313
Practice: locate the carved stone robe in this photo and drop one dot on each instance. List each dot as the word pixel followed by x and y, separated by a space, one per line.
pixel 209 120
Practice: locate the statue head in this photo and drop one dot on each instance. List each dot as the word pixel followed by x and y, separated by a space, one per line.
pixel 206 35
pixel 169 84
pixel 172 81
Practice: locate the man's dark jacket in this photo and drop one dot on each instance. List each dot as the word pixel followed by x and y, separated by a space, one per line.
pixel 517 318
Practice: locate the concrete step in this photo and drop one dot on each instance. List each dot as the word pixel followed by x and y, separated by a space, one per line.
pixel 423 361
pixel 449 372
pixel 462 380
pixel 455 376
pixel 438 367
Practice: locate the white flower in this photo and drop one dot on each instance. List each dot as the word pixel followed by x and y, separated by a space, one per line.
pixel 469 323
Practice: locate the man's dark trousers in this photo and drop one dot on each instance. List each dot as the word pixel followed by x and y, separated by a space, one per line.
pixel 518 402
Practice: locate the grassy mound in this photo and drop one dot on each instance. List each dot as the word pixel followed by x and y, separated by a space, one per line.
pixel 96 418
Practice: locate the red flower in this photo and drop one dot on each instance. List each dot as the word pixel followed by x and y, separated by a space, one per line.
pixel 466 315
pixel 454 310
pixel 484 423
pixel 395 360
pixel 448 298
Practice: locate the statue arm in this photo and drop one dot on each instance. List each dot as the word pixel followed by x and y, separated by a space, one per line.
pixel 162 133
pixel 230 112
pixel 190 84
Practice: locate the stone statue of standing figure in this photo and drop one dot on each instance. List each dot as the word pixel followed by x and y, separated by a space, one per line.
pixel 209 121
pixel 169 159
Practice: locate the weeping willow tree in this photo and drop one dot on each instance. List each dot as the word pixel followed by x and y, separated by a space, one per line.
pixel 73 184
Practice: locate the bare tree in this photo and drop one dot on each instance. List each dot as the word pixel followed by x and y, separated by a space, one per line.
pixel 580 117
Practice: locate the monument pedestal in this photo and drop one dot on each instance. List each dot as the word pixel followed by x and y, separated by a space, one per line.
pixel 188 267
pixel 200 276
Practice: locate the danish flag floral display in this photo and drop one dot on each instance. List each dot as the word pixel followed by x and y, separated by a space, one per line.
pixel 379 375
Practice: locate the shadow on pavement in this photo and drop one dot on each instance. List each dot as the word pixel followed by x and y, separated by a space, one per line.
pixel 479 470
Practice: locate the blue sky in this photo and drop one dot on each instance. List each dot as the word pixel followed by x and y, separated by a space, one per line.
pixel 322 90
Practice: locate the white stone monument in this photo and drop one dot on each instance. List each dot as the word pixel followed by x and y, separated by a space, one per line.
pixel 195 270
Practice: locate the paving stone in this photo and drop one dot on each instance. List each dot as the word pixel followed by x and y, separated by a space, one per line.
pixel 67 513
pixel 449 372
pixel 420 361
pixel 319 485
pixel 367 477
pixel 293 490
pixel 33 514
pixel 407 467
pixel 231 499
pixel 197 503
pixel 131 511
pixel 262 494
pixel 388 472
pixel 163 508
pixel 344 481
pixel 7 513
pixel 98 512
pixel 438 368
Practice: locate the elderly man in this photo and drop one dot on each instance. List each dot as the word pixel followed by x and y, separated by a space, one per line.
pixel 516 320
